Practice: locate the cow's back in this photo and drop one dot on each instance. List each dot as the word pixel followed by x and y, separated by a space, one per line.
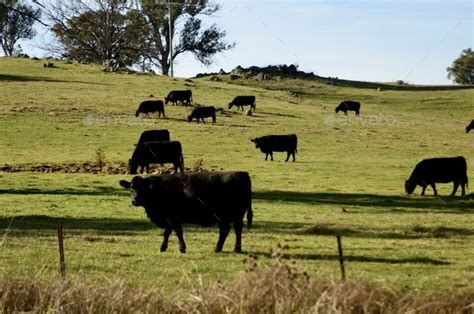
pixel 205 197
pixel 154 136
pixel 440 169
pixel 279 143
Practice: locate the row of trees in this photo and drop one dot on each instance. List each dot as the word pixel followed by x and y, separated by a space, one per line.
pixel 151 33
pixel 122 33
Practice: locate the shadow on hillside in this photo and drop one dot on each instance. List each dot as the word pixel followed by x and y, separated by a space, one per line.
pixel 97 191
pixel 277 114
pixel 369 232
pixel 388 87
pixel 357 258
pixel 25 78
pixel 26 225
pixel 456 204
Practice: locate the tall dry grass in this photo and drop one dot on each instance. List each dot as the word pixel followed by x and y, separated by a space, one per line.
pixel 277 288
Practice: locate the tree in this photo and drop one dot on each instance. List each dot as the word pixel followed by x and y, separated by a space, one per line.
pixel 186 32
pixel 16 22
pixel 462 69
pixel 98 31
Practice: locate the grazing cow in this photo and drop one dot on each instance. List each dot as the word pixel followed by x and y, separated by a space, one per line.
pixel 148 106
pixel 470 126
pixel 438 170
pixel 349 105
pixel 203 112
pixel 156 153
pixel 277 143
pixel 241 101
pixel 185 96
pixel 154 136
pixel 202 198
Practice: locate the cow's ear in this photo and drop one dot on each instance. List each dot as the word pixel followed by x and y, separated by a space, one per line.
pixel 253 140
pixel 125 184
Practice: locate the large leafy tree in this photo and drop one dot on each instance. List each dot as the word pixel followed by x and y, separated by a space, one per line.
pixel 16 22
pixel 462 69
pixel 187 32
pixel 97 31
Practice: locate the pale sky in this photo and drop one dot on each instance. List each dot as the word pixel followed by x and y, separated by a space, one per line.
pixel 371 40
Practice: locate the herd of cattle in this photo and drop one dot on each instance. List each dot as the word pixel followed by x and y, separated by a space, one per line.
pixel 224 198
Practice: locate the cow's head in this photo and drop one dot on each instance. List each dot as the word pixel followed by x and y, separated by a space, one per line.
pixel 166 100
pixel 138 188
pixel 409 186
pixel 137 113
pixel 256 141
pixel 190 118
pixel 230 105
pixel 337 109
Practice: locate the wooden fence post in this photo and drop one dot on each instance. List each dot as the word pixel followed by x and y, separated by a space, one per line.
pixel 341 258
pixel 62 263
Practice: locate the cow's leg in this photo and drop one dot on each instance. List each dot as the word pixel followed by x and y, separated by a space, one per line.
pixel 455 187
pixel 293 153
pixel 179 234
pixel 463 188
pixel 433 186
pixel 266 156
pixel 238 226
pixel 423 186
pixel 204 122
pixel 287 156
pixel 166 236
pixel 271 156
pixel 223 232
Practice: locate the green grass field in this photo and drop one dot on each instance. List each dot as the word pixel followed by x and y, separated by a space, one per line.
pixel 64 114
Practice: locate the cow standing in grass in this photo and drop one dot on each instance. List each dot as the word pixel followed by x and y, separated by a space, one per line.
pixel 184 96
pixel 438 170
pixel 154 136
pixel 470 126
pixel 157 153
pixel 148 106
pixel 241 101
pixel 277 143
pixel 202 198
pixel 349 105
pixel 199 113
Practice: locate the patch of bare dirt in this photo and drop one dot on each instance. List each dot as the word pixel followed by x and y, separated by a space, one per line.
pixel 90 167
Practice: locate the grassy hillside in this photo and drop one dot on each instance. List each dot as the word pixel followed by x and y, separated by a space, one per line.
pixel 64 114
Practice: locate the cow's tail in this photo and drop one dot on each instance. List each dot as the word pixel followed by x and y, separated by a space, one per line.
pixel 249 216
pixel 296 144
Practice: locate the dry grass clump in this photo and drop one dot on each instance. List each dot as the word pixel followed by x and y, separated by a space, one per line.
pixel 277 288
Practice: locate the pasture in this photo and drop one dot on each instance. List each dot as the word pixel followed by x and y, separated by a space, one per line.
pixel 347 179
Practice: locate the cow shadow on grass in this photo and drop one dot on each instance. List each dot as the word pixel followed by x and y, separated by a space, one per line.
pixel 399 204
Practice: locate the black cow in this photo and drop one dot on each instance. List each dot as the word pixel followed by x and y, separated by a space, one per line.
pixel 241 101
pixel 277 143
pixel 154 136
pixel 203 112
pixel 438 170
pixel 157 153
pixel 470 126
pixel 185 96
pixel 148 106
pixel 349 105
pixel 202 198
